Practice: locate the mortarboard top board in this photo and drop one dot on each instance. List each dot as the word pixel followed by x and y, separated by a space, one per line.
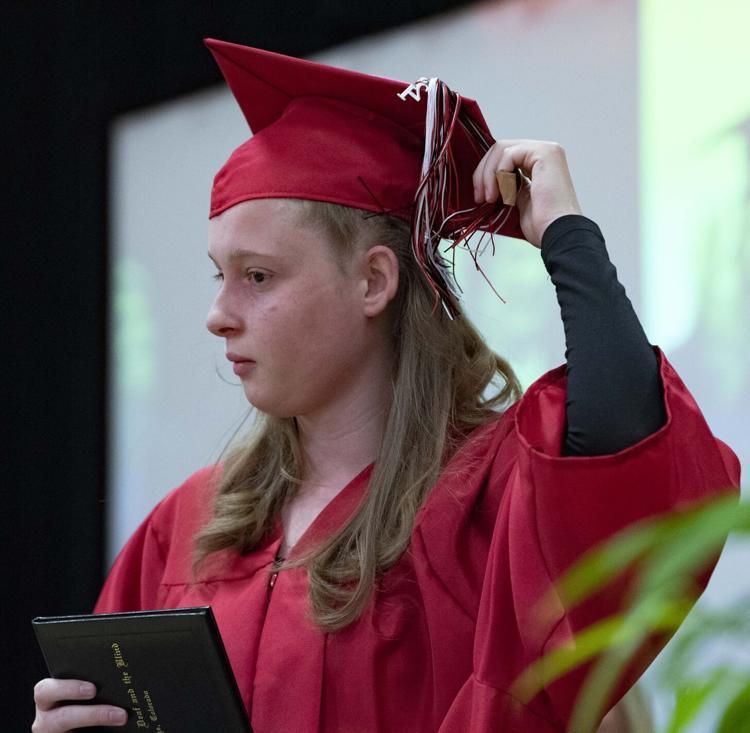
pixel 331 134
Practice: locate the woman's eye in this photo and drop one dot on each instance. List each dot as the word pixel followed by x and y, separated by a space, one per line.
pixel 252 273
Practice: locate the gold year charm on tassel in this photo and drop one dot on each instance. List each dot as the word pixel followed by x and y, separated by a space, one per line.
pixel 508 182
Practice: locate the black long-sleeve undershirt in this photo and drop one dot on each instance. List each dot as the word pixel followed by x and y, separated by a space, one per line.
pixel 614 393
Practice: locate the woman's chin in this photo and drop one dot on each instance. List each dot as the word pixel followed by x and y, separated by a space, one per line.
pixel 267 407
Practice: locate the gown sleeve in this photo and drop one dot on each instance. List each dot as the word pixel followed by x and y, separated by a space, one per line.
pixel 136 579
pixel 553 509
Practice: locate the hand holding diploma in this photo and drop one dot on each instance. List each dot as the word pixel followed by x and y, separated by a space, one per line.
pixel 52 717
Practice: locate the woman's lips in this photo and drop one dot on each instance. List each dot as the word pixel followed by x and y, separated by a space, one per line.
pixel 243 368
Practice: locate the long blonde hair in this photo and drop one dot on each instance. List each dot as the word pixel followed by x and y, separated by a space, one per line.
pixel 440 372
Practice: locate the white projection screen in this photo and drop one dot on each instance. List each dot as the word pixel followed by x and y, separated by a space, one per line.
pixel 570 71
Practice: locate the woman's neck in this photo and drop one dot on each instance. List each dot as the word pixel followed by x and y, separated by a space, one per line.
pixel 342 438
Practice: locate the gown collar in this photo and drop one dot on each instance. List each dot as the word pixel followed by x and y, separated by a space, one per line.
pixel 331 518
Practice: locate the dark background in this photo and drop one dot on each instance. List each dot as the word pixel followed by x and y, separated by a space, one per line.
pixel 69 68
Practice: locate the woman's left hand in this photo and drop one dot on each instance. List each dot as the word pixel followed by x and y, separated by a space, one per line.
pixel 548 195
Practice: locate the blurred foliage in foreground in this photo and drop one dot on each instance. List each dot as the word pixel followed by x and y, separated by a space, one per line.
pixel 669 552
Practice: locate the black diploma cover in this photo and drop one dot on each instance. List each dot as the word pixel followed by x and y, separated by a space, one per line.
pixel 167 668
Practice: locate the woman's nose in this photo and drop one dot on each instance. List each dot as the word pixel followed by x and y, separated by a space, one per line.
pixel 220 319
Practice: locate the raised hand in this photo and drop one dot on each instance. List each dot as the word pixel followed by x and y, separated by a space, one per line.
pixel 547 192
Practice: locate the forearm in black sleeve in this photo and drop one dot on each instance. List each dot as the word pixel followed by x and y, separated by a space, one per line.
pixel 614 393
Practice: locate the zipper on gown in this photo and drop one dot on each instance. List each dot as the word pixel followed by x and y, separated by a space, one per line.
pixel 354 483
pixel 276 562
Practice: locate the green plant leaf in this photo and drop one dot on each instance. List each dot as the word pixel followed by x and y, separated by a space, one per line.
pixel 690 697
pixel 670 551
pixel 701 627
pixel 613 634
pixel 736 718
pixel 666 538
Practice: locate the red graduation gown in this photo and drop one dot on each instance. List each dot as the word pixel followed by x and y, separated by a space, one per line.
pixel 450 626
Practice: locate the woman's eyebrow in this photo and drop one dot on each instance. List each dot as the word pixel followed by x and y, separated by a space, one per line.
pixel 238 254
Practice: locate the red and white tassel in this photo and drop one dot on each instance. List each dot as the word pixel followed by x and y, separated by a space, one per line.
pixel 437 193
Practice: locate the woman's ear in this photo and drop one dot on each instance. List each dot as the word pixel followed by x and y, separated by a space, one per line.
pixel 380 271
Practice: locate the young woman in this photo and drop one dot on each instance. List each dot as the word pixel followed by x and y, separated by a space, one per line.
pixel 375 549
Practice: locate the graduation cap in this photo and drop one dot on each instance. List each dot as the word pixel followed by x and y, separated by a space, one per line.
pixel 330 134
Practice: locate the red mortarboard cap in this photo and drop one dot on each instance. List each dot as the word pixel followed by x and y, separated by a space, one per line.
pixel 383 145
